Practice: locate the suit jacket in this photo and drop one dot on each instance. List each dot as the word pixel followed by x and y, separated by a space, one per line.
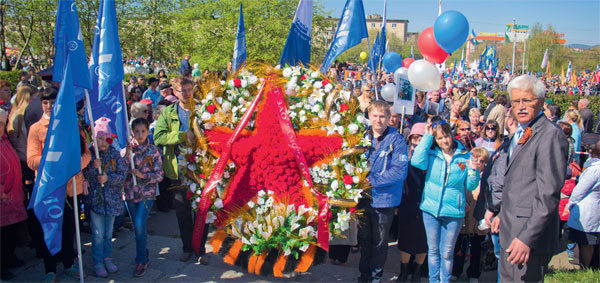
pixel 534 175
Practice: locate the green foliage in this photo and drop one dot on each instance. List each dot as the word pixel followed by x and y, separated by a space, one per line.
pixel 12 77
pixel 575 276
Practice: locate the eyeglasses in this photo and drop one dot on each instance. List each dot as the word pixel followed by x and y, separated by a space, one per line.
pixel 438 123
pixel 490 128
pixel 525 101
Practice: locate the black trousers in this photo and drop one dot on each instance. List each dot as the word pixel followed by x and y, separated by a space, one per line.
pixel 9 234
pixel 185 218
pixel 373 235
pixel 68 231
pixel 463 241
pixel 339 252
pixel 533 271
pixel 165 200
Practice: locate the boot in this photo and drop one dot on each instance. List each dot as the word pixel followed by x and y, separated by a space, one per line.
pixel 403 273
pixel 416 276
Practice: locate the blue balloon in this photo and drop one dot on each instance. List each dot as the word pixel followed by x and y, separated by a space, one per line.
pixel 451 30
pixel 392 61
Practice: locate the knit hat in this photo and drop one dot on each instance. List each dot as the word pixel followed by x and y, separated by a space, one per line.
pixel 102 128
pixel 417 129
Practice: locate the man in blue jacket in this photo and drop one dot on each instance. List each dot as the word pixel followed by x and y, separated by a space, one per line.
pixel 388 159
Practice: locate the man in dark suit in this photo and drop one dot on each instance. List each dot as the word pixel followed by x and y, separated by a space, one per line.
pixel 587 116
pixel 535 173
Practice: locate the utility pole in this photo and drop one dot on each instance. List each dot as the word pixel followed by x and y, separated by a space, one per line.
pixel 524 51
pixel 512 70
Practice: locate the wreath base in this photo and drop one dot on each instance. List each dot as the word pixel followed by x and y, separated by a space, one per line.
pixel 273 262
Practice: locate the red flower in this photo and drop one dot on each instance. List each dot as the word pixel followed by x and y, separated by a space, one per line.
pixel 303 78
pixel 211 108
pixel 237 82
pixel 348 180
pixel 325 82
pixel 201 176
pixel 344 107
pixel 189 195
pixel 192 158
pixel 109 141
pixel 113 136
pixel 462 166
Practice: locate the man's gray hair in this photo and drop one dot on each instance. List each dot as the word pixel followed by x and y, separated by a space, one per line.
pixel 528 83
pixel 585 102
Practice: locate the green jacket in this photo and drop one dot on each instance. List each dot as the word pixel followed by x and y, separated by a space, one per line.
pixel 168 136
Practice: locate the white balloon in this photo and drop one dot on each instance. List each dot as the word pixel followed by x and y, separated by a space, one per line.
pixel 424 75
pixel 402 72
pixel 388 91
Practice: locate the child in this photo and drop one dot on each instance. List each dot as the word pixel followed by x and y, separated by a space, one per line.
pixel 149 173
pixel 105 196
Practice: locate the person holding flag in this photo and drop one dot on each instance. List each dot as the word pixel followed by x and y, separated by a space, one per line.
pixel 47 151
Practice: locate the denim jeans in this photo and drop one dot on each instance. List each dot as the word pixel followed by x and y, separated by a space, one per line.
pixel 102 228
pixel 497 250
pixel 442 233
pixel 139 215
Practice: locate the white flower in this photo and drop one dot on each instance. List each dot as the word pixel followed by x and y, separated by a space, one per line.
pixel 245 241
pixel 231 165
pixel 193 187
pixel 244 83
pixel 260 201
pixel 261 193
pixel 218 203
pixel 302 119
pixel 259 210
pixel 318 85
pixel 361 119
pixel 230 83
pixel 348 187
pixel 349 168
pixel 315 108
pixel 245 92
pixel 290 85
pixel 355 194
pixel 210 217
pixel 226 106
pixel 226 175
pixel 322 114
pixel 270 192
pixel 219 100
pixel 334 185
pixel 205 116
pixel 251 204
pixel 287 72
pixel 252 79
pixel 222 82
pixel 329 194
pixel 304 248
pixel 355 179
pixel 352 128
pixel 305 232
pixel 287 252
pixel 241 101
pixel 328 87
pixel 192 167
pixel 209 96
pixel 335 118
pixel 314 74
pixel 301 209
pixel 302 112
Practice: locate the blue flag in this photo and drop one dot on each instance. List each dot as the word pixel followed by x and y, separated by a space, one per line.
pixel 239 50
pixel 383 37
pixel 351 29
pixel 106 70
pixel 68 41
pixel 473 41
pixel 375 54
pixel 61 160
pixel 297 46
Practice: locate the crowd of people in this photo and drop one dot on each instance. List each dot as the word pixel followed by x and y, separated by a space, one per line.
pixel 445 181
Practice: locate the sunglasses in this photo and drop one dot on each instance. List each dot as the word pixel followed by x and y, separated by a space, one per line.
pixel 464 129
pixel 490 128
pixel 438 123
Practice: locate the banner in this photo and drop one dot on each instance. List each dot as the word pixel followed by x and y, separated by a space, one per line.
pixel 297 46
pixel 239 50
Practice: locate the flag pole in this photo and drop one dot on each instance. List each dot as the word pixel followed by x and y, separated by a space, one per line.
pixel 128 138
pixel 77 234
pixel 91 117
pixel 372 71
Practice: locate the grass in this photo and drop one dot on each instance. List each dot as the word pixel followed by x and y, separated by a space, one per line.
pixel 575 276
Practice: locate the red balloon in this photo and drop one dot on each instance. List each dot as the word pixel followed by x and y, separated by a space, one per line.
pixel 430 49
pixel 407 61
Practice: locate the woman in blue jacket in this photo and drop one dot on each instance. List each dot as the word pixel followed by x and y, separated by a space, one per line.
pixel 449 173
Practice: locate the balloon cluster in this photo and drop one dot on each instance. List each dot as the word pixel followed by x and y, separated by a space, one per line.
pixel 447 34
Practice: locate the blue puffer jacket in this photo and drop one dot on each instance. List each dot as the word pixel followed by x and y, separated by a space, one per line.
pixel 444 193
pixel 388 158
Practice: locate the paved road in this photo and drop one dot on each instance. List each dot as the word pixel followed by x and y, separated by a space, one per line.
pixel 165 248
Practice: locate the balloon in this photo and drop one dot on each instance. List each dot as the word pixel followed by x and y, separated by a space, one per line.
pixel 429 47
pixel 407 61
pixel 424 76
pixel 451 30
pixel 363 55
pixel 392 61
pixel 388 92
pixel 402 72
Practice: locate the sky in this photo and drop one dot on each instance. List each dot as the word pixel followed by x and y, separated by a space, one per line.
pixel 579 20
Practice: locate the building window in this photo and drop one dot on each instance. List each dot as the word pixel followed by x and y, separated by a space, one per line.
pixel 373 25
pixel 393 25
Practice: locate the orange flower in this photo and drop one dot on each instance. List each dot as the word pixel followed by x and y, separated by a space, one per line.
pixel 462 166
pixel 526 135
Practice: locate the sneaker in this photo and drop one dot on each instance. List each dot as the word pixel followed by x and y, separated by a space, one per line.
pixel 204 259
pixel 100 270
pixel 140 269
pixel 453 278
pixel 110 266
pixel 185 256
pixel 73 271
pixel 50 277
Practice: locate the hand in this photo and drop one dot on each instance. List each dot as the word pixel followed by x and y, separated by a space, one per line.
pixel 429 129
pixel 488 217
pixel 495 228
pixel 519 252
pixel 97 163
pixel 102 179
pixel 566 211
pixel 137 173
pixel 4 197
pixel 191 137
